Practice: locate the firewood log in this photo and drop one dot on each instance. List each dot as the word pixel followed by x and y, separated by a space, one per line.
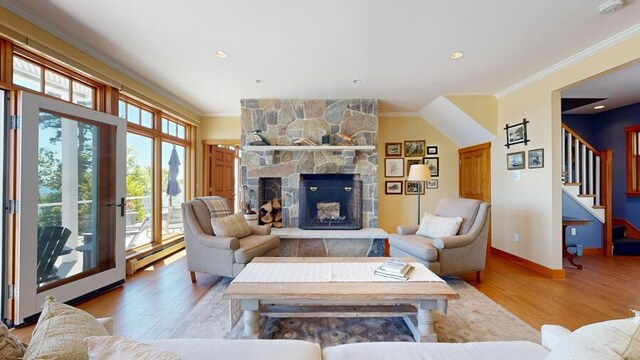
pixel 279 216
pixel 267 219
pixel 276 204
pixel 268 207
pixel 277 224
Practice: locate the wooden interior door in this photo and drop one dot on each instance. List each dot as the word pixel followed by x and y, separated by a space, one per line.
pixel 475 175
pixel 222 174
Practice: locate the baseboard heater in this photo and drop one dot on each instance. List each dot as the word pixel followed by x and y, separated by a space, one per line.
pixel 137 263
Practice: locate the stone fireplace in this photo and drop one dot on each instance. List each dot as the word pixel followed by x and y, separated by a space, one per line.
pixel 282 121
pixel 330 202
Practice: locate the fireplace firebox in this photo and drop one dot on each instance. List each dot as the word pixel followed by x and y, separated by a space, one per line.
pixel 330 202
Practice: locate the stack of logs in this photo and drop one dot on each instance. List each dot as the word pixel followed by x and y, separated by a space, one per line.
pixel 271 213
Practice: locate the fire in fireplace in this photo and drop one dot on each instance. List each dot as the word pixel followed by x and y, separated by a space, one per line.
pixel 330 201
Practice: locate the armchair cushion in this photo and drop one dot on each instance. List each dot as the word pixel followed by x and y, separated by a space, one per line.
pixel 437 226
pixel 231 226
pixel 254 246
pixel 407 229
pixel 261 229
pixel 418 246
pixel 467 209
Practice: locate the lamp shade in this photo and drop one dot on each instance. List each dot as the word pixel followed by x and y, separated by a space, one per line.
pixel 419 173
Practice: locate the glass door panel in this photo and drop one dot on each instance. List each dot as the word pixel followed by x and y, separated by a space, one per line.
pixel 72 211
pixel 139 190
pixel 173 188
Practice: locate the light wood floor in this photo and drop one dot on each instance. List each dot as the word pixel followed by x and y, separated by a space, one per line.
pixel 153 300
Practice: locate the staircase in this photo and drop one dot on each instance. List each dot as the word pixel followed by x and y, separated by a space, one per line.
pixel 582 173
pixel 623 245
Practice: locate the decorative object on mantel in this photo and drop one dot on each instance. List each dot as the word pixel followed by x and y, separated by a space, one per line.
pixel 326 140
pixel 344 139
pixel 516 134
pixel 304 142
pixel 258 139
pixel 271 213
pixel 393 149
pixel 421 174
pixel 432 150
pixel 536 159
pixel 515 161
pixel 414 148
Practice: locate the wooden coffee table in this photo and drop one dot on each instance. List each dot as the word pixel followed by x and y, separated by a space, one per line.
pixel 341 299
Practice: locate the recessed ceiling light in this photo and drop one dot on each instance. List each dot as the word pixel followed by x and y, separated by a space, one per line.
pixel 357 81
pixel 456 55
pixel 598 107
pixel 609 6
pixel 221 54
pixel 258 81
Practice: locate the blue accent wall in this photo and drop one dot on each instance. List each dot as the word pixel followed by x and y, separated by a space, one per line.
pixel 589 236
pixel 605 130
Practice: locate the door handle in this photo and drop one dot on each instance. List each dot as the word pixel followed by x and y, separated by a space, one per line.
pixel 122 206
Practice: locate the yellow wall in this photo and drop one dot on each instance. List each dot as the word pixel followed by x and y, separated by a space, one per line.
pixel 220 127
pixel 482 108
pixel 532 207
pixel 402 209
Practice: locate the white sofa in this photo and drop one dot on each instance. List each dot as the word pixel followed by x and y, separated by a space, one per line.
pixel 614 339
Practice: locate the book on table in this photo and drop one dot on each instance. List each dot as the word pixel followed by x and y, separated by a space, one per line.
pixel 396 269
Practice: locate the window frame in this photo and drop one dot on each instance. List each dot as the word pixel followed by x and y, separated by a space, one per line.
pixel 632 134
pixel 99 90
pixel 158 137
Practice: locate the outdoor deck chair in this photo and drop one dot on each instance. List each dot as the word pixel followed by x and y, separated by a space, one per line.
pixel 51 244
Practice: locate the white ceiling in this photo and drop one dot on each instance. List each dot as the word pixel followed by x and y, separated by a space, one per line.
pixel 315 48
pixel 618 88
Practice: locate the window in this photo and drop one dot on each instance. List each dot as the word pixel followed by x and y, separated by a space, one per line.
pixel 38 76
pixel 157 153
pixel 633 160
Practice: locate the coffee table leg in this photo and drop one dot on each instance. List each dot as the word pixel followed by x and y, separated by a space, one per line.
pixel 251 319
pixel 426 332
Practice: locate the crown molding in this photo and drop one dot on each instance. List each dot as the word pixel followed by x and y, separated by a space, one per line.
pixel 23 12
pixel 221 115
pixel 582 55
pixel 399 114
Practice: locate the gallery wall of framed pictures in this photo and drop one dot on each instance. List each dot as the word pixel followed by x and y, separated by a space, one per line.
pixel 399 157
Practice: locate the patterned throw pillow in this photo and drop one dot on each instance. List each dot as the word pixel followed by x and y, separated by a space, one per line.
pixel 60 332
pixel 117 347
pixel 231 226
pixel 436 226
pixel 10 347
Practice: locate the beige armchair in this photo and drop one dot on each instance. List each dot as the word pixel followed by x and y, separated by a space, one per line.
pixel 217 255
pixel 464 252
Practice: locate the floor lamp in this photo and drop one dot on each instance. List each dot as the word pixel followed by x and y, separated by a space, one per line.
pixel 422 174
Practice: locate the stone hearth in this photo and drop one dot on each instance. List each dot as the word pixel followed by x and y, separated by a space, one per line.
pixel 282 121
pixel 365 242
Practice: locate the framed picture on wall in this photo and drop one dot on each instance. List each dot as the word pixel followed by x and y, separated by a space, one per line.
pixel 432 150
pixel 394 167
pixel 393 149
pixel 515 161
pixel 393 187
pixel 434 165
pixel 414 148
pixel 413 187
pixel 516 134
pixel 412 162
pixel 536 159
pixel 432 184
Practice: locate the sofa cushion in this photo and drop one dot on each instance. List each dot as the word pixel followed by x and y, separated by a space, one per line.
pixel 234 226
pixel 467 209
pixel 60 332
pixel 10 347
pixel 494 350
pixel 418 246
pixel 119 348
pixel 205 349
pixel 254 246
pixel 614 339
pixel 437 226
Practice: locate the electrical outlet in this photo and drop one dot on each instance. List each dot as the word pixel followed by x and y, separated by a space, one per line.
pixel 573 231
pixel 516 237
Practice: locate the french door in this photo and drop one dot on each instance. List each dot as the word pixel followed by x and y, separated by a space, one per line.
pixel 70 223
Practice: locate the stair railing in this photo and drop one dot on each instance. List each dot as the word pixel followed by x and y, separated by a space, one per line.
pixel 581 163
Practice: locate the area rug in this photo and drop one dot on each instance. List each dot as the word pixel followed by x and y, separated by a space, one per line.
pixel 474 317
